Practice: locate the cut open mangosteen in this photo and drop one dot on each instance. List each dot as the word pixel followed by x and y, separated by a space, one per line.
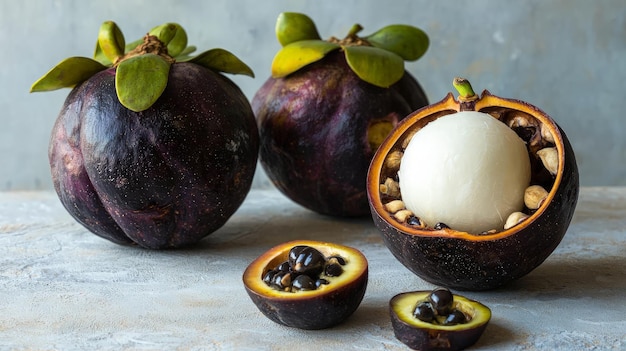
pixel 307 284
pixel 482 255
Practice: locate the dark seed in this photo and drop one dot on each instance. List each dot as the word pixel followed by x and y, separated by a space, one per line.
pixel 441 300
pixel 281 280
pixel 455 317
pixel 284 267
pixel 294 252
pixel 439 226
pixel 321 282
pixel 267 278
pixel 339 260
pixel 424 312
pixel 414 221
pixel 306 260
pixel 525 133
pixel 303 282
pixel 333 270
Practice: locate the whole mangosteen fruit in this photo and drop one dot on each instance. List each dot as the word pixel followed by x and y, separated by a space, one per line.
pixel 327 107
pixel 152 146
pixel 476 192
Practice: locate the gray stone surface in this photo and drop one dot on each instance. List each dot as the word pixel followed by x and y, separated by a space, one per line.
pixel 564 56
pixel 62 288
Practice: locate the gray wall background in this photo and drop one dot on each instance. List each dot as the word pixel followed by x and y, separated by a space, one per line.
pixel 567 57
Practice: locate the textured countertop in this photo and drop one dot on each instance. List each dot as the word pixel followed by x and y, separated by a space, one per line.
pixel 62 288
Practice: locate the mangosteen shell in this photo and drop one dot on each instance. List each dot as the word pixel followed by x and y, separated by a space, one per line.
pixel 426 336
pixel 314 125
pixel 162 178
pixel 466 261
pixel 325 307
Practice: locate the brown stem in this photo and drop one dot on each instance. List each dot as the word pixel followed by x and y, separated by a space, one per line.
pixel 151 45
pixel 352 39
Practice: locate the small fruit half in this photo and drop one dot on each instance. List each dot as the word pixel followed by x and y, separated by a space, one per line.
pixel 421 335
pixel 328 305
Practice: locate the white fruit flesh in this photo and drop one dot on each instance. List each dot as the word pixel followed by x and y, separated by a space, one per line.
pixel 467 170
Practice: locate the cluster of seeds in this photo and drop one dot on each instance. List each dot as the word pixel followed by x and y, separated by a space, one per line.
pixel 305 269
pixel 403 215
pixel 438 308
pixel 541 144
pixel 535 195
pixel 541 147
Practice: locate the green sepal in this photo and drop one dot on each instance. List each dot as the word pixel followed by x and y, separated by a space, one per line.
pixel 165 32
pixel 375 65
pixel 67 74
pixel 173 36
pixel 408 42
pixel 185 55
pixel 111 41
pixel 99 56
pixel 222 61
pixel 292 27
pixel 140 81
pixel 298 54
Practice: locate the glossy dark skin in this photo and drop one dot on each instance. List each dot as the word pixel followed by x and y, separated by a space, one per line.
pixel 313 126
pixel 313 313
pixel 161 178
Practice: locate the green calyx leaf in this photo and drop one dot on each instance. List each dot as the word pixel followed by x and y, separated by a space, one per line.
pixel 67 74
pixel 375 65
pixel 292 27
pixel 110 44
pixel 166 32
pixel 185 55
pixel 175 38
pixel 377 58
pixel 298 54
pixel 140 81
pixel 172 35
pixel 222 61
pixel 408 42
pixel 111 41
pixel 142 66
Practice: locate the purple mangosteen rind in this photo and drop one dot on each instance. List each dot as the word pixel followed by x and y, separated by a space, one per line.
pixel 316 139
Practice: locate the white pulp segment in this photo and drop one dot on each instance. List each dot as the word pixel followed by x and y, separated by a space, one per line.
pixel 467 170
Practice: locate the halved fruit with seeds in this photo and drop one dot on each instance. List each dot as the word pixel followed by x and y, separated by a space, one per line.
pixel 307 284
